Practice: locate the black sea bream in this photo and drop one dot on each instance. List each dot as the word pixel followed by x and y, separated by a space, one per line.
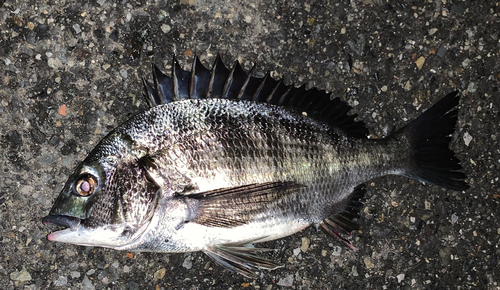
pixel 223 160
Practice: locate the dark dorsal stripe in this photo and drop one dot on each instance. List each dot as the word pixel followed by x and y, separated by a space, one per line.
pixel 220 82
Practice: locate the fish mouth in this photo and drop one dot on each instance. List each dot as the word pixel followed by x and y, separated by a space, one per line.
pixel 72 230
pixel 68 223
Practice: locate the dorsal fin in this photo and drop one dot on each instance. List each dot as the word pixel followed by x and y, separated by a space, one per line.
pixel 220 82
pixel 164 86
pixel 217 78
pixel 200 77
pixel 234 83
pixel 248 86
pixel 182 80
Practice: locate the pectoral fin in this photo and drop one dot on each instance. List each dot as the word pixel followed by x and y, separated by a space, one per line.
pixel 235 206
pixel 242 259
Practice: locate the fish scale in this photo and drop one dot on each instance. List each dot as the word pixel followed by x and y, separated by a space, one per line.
pixel 223 159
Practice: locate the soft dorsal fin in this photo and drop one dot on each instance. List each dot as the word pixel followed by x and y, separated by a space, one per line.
pixel 236 84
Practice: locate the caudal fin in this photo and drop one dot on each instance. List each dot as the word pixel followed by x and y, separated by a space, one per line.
pixel 429 136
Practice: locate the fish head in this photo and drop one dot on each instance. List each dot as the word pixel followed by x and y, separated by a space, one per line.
pixel 109 200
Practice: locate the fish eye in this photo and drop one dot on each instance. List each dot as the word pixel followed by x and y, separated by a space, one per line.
pixel 86 185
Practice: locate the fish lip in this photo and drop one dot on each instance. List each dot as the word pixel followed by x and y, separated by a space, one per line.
pixel 62 221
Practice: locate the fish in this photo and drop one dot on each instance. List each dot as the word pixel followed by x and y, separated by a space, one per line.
pixel 223 160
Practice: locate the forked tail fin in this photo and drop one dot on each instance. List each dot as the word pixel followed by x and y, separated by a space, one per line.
pixel 429 136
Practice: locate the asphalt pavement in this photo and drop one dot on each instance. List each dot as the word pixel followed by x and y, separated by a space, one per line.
pixel 71 71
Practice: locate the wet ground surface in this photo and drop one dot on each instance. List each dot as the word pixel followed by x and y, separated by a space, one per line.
pixel 71 72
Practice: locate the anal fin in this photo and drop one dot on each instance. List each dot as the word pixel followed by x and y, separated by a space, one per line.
pixel 241 258
pixel 343 223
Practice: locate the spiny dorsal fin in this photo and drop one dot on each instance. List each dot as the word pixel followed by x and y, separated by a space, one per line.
pixel 236 84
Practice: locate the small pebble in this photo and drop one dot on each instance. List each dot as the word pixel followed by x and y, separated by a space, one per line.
pixel 368 262
pixel 286 282
pixel 188 264
pixel 466 63
pixel 61 281
pixel 441 52
pixel 420 62
pixel 354 271
pixel 77 28
pixel 305 244
pixel 467 138
pixel 87 284
pixel 22 275
pixel 472 87
pixel 123 73
pixel 159 274
pixel 165 28
pixel 336 251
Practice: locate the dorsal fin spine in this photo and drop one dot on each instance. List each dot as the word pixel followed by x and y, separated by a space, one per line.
pixel 175 64
pixel 200 77
pixel 245 84
pixel 192 81
pixel 236 84
pixel 163 86
pixel 181 80
pixel 218 77
pixel 257 94
pixel 282 100
pixel 151 93
pixel 272 95
pixel 234 81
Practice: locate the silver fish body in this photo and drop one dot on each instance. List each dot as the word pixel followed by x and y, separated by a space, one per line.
pixel 206 145
pixel 213 172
